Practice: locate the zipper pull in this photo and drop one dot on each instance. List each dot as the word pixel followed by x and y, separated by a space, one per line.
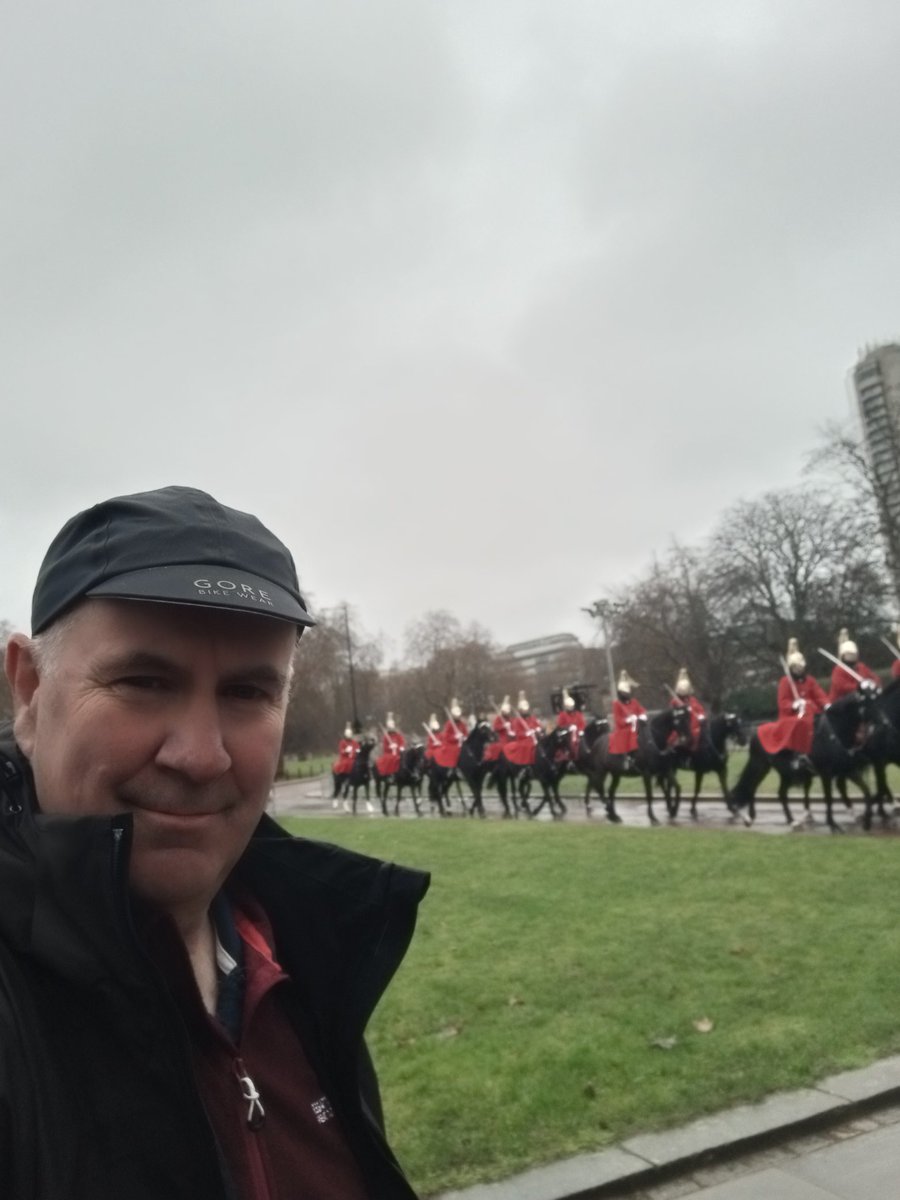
pixel 256 1114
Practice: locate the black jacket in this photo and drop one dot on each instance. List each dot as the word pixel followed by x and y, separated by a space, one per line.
pixel 97 1096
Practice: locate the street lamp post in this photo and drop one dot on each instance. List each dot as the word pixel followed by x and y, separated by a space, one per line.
pixel 356 725
pixel 603 611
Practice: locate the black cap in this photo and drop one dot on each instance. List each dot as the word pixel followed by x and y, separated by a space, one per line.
pixel 175 545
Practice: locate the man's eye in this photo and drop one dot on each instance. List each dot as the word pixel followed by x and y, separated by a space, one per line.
pixel 247 691
pixel 144 683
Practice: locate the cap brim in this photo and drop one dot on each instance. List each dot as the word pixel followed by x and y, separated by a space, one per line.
pixel 206 587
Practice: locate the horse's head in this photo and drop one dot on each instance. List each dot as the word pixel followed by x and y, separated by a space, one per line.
pixel 734 728
pixel 482 731
pixel 681 722
pixel 555 739
pixel 594 729
pixel 867 694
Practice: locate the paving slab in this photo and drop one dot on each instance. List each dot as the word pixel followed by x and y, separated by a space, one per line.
pixel 877 1080
pixel 575 1178
pixel 732 1127
pixel 864 1168
pixel 772 1184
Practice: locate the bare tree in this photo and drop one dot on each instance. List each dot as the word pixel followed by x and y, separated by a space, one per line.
pixel 676 616
pixel 842 455
pixel 445 660
pixel 321 702
pixel 796 563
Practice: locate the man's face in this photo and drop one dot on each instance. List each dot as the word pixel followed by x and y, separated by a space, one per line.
pixel 172 714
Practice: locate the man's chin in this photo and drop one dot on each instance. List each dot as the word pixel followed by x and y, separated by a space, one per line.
pixel 179 881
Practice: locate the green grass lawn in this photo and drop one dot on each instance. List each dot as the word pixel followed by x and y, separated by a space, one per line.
pixel 549 958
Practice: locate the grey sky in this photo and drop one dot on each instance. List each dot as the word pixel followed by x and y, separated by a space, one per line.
pixel 477 304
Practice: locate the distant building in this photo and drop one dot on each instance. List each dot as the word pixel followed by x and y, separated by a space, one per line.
pixel 560 655
pixel 876 382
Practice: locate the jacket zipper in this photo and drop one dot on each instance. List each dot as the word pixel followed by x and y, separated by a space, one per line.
pixel 256 1114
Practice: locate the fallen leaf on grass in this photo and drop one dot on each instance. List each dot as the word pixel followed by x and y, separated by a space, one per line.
pixel 703 1025
pixel 666 1043
pixel 449 1031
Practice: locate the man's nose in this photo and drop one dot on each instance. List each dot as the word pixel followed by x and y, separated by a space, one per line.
pixel 194 744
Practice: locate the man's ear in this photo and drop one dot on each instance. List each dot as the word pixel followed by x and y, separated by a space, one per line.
pixel 24 678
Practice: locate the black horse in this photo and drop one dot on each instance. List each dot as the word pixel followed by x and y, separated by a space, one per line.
pixel 360 773
pixel 513 782
pixel 838 754
pixel 883 746
pixel 662 736
pixel 711 755
pixel 409 774
pixel 551 761
pixel 581 763
pixel 471 765
pixel 441 779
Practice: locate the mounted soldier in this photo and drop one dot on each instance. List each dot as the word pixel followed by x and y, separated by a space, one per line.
pixel 627 712
pixel 799 700
pixel 433 741
pixel 571 718
pixel 343 764
pixel 502 727
pixel 683 697
pixel 393 743
pixel 526 728
pixel 843 680
pixel 453 735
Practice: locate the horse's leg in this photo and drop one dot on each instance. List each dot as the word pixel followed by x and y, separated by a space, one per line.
pixel 698 781
pixel 783 786
pixel 611 798
pixel 869 800
pixel 648 792
pixel 587 796
pixel 827 791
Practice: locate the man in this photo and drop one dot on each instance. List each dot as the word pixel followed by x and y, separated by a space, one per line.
pixel 393 743
pixel 348 747
pixel 843 682
pixel 571 718
pixel 502 729
pixel 526 729
pixel 183 986
pixel 799 700
pixel 453 735
pixel 627 713
pixel 683 697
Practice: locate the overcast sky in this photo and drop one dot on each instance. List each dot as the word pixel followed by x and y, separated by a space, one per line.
pixel 477 303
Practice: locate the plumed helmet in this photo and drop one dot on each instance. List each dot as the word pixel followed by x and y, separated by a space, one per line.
pixel 455 710
pixel 523 705
pixel 683 686
pixel 568 701
pixel 847 649
pixel 389 721
pixel 506 706
pixel 348 730
pixel 795 659
pixel 626 683
pixel 433 722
